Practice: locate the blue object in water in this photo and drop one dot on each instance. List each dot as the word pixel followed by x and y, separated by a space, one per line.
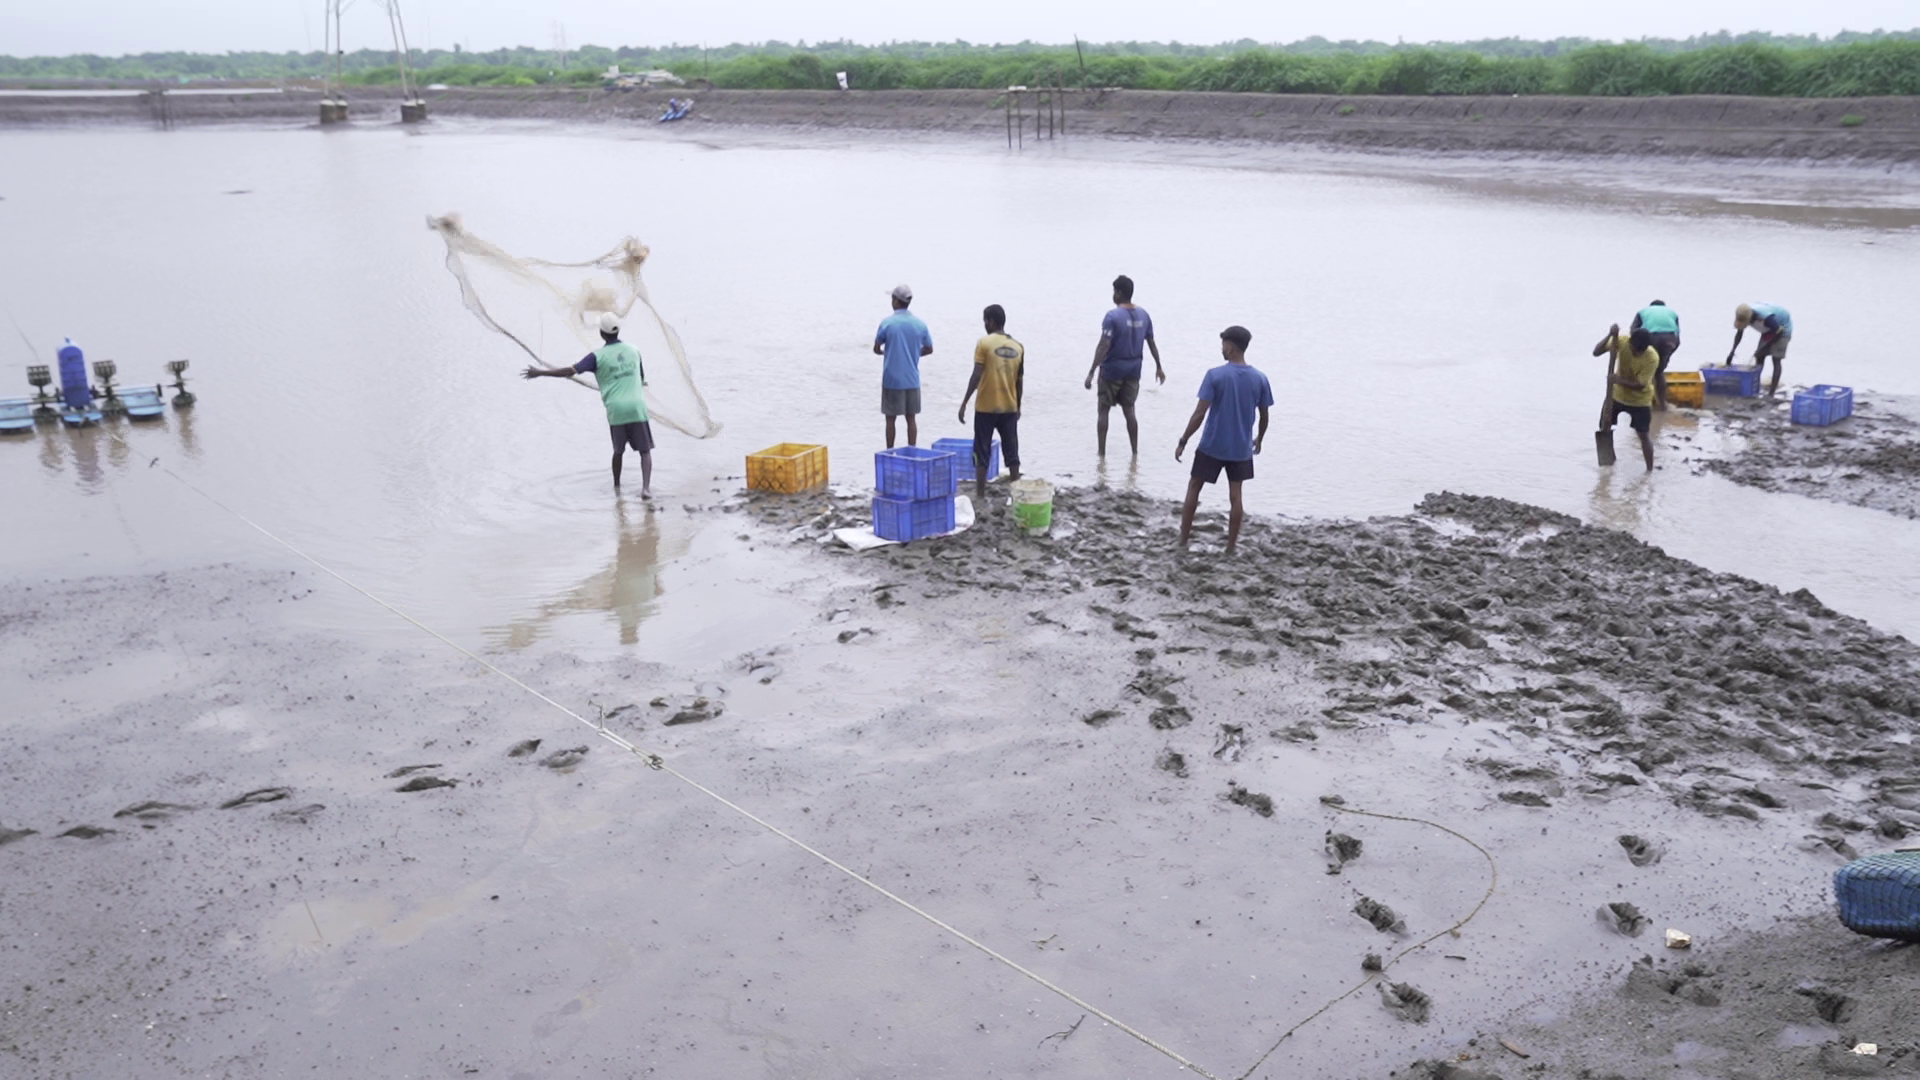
pixel 74 388
pixel 1879 895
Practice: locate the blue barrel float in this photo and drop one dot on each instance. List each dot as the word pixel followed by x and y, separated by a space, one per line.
pixel 1879 895
pixel 75 391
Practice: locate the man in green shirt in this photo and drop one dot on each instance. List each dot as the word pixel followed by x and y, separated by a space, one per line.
pixel 1634 367
pixel 616 368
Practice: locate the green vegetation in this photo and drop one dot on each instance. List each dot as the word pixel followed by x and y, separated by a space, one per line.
pixel 1846 65
pixel 1852 120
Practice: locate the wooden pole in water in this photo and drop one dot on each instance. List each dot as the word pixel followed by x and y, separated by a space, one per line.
pixel 1009 103
pixel 1020 121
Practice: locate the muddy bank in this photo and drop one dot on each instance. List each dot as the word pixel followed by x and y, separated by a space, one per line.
pixel 241 847
pixel 1790 1003
pixel 1774 129
pixel 1870 459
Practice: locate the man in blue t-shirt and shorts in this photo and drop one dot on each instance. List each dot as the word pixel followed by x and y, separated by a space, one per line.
pixel 902 339
pixel 1126 335
pixel 1231 395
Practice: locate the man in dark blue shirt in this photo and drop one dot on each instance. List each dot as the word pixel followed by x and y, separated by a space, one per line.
pixel 1126 334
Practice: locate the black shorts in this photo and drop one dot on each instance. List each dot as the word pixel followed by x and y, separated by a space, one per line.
pixel 1641 415
pixel 1121 392
pixel 639 436
pixel 1207 468
pixel 899 402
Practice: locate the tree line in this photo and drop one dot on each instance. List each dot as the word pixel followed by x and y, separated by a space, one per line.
pixel 1845 65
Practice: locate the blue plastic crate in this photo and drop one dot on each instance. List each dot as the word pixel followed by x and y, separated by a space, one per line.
pixel 1821 405
pixel 913 472
pixel 1880 895
pixel 962 451
pixel 911 519
pixel 1733 380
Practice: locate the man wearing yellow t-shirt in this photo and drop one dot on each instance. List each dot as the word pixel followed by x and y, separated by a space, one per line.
pixel 999 374
pixel 1635 362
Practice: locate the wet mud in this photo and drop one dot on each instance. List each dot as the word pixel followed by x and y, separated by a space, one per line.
pixel 1677 127
pixel 1869 459
pixel 1634 738
pixel 1793 1002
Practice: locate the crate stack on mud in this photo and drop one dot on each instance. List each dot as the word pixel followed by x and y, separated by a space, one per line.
pixel 913 491
pixel 962 451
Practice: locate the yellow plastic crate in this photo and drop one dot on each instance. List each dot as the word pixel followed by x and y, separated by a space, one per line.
pixel 1687 388
pixel 788 468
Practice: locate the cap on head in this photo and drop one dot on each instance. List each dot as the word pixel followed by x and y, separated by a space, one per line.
pixel 903 294
pixel 1238 335
pixel 609 323
pixel 1742 317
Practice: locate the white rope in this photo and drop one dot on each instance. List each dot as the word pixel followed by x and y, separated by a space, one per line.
pixel 657 762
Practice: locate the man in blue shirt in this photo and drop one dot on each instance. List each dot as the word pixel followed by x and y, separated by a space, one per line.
pixel 902 339
pixel 1230 396
pixel 1776 332
pixel 1126 334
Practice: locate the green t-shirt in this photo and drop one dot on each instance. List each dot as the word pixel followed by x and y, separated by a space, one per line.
pixel 616 368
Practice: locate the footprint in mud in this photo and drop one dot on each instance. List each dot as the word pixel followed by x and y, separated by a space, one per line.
pixel 1648 983
pixel 523 748
pixel 253 798
pixel 1232 742
pixel 425 783
pixel 8 836
pixel 406 769
pixel 848 636
pixel 1341 850
pixel 1168 717
pixel 1380 915
pixel 1099 717
pixel 1640 850
pixel 701 710
pixel 565 759
pixel 1252 800
pixel 1524 798
pixel 87 832
pixel 298 815
pixel 152 811
pixel 1168 761
pixel 1622 918
pixel 1406 1002
pixel 1833 1006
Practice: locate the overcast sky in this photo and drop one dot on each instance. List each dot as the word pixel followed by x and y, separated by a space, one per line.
pixel 113 27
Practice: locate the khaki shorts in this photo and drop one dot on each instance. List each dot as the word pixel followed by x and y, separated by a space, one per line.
pixel 1121 392
pixel 1774 347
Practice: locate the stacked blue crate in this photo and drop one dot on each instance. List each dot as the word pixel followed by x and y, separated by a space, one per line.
pixel 962 451
pixel 913 493
pixel 1821 405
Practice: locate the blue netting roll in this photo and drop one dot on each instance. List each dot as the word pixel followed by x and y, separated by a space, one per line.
pixel 1880 895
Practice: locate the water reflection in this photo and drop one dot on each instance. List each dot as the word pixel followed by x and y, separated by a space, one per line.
pixel 94 449
pixel 626 588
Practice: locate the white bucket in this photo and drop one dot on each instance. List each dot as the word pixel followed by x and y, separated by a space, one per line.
pixel 1033 506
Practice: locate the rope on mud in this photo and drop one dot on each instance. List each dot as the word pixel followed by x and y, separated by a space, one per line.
pixel 658 763
pixel 1334 802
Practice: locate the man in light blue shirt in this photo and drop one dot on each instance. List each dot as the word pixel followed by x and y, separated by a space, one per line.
pixel 902 339
pixel 1231 396
pixel 1775 327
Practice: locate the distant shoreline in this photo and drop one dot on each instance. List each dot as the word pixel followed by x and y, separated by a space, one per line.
pixel 1887 131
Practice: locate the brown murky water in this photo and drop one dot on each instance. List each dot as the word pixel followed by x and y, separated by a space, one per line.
pixel 1426 327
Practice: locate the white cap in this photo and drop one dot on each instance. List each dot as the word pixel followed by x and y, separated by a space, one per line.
pixel 609 323
pixel 903 294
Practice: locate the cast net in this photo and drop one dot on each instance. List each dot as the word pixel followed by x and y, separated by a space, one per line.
pixel 551 310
